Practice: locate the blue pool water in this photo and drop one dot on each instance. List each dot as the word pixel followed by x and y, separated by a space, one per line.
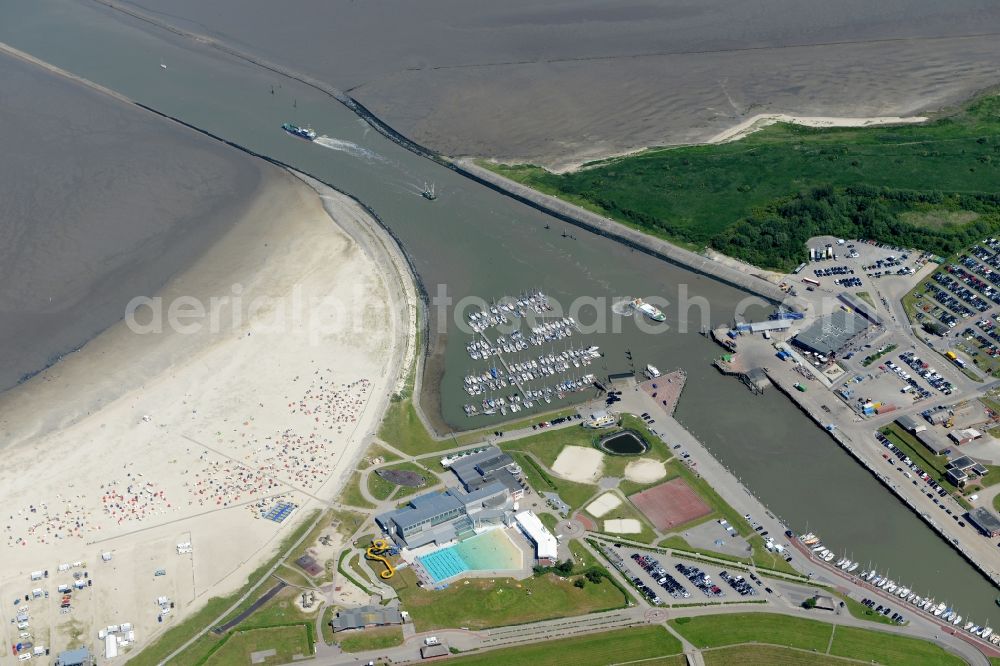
pixel 489 551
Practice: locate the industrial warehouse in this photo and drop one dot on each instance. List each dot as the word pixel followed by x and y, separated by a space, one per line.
pixel 828 335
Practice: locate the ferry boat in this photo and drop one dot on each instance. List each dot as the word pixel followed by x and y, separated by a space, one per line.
pixel 301 132
pixel 650 311
pixel 652 372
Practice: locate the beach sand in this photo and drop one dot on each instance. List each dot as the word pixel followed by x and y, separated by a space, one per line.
pixel 142 441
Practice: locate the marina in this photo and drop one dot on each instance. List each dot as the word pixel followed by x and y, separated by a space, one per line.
pixel 520 373
pixel 521 250
pixel 908 598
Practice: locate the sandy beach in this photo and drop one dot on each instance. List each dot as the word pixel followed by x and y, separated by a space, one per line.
pixel 141 441
pixel 103 201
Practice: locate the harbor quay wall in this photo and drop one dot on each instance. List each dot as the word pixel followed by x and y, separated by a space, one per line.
pixel 625 235
pixel 884 480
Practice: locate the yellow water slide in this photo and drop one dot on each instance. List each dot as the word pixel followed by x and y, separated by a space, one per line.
pixel 375 551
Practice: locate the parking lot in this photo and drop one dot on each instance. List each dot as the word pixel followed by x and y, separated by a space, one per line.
pixel 666 579
pixel 912 471
pixel 965 295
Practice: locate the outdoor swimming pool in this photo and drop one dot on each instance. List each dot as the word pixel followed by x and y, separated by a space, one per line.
pixel 489 551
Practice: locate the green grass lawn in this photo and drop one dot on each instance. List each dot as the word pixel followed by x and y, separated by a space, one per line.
pixel 862 612
pixel 328 613
pixel 281 609
pixel 380 488
pixel 356 564
pixel 376 638
pixel 402 428
pixel 476 436
pixel 889 649
pixel 574 494
pixel 917 452
pixel 481 603
pixel 379 451
pixel 626 510
pixel 720 630
pixel 547 444
pixel 612 647
pixel 401 491
pixel 346 522
pixel 351 494
pixel 696 195
pixel 343 566
pixel 721 509
pixel 866 297
pixel 286 641
pixel 768 655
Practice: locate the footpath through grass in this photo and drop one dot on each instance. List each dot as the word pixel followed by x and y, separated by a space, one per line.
pixel 739 197
pixel 612 647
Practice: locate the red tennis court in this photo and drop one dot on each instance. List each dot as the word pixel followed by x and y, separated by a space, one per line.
pixel 670 504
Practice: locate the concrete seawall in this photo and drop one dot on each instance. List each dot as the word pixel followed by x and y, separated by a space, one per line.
pixel 621 233
pixel 849 447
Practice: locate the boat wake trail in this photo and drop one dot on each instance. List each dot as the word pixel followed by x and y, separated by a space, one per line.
pixel 350 148
pixel 623 308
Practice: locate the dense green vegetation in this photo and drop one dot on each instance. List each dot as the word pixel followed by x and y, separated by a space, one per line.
pixel 621 646
pixel 775 234
pixel 760 197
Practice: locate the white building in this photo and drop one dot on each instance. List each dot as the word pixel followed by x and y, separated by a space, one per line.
pixel 546 546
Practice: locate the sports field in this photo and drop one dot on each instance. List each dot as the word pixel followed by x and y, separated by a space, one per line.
pixel 670 504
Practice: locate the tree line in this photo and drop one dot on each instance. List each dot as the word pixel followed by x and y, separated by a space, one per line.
pixel 775 235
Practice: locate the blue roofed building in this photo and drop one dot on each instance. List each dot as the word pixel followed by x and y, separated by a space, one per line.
pixel 77 657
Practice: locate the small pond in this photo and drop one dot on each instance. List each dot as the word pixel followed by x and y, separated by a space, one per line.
pixel 625 443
